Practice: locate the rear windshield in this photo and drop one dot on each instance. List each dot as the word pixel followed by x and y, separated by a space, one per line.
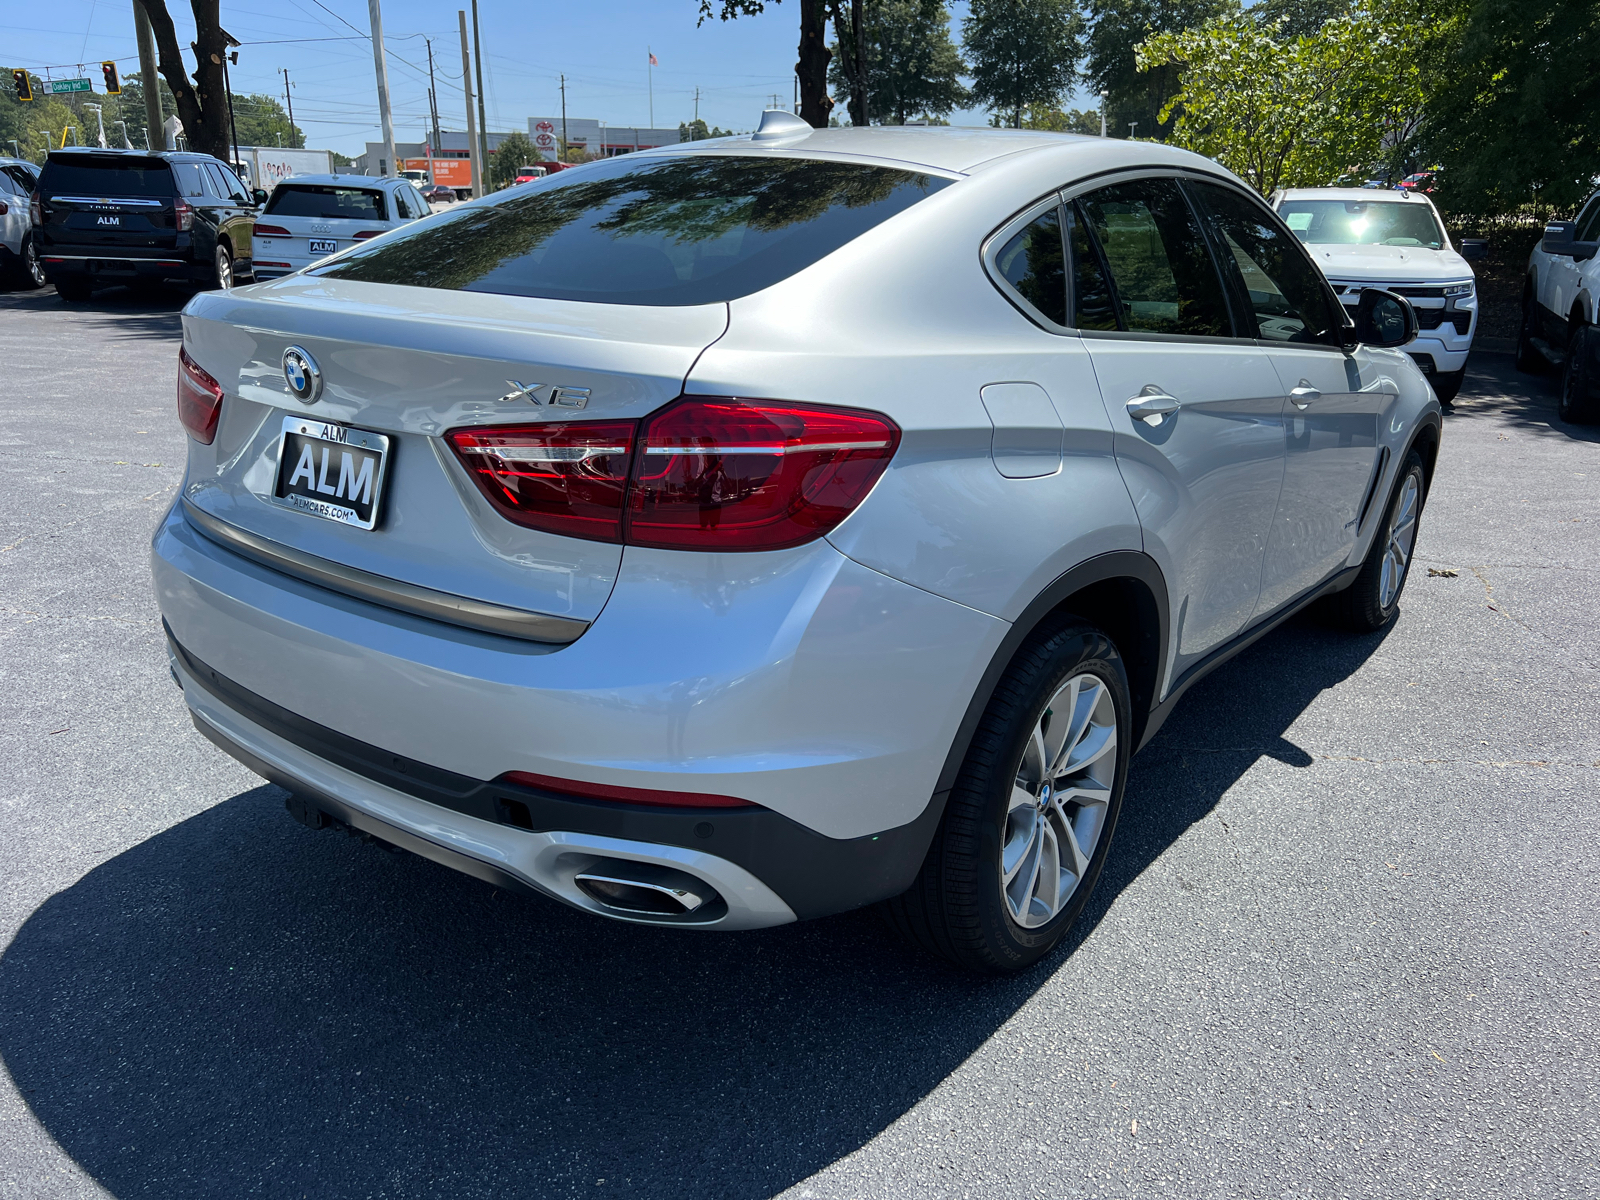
pixel 1362 223
pixel 86 176
pixel 667 231
pixel 328 203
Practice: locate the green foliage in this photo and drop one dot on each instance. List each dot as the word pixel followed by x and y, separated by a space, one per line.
pixel 1057 120
pixel 1296 18
pixel 262 122
pixel 698 131
pixel 1023 52
pixel 1117 27
pixel 514 152
pixel 1515 115
pixel 913 68
pixel 1300 111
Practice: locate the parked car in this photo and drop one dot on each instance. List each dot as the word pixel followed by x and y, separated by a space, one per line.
pixel 309 217
pixel 721 537
pixel 19 257
pixel 1394 240
pixel 125 216
pixel 1426 182
pixel 1559 311
pixel 439 194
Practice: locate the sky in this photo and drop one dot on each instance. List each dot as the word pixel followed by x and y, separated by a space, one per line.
pixel 602 47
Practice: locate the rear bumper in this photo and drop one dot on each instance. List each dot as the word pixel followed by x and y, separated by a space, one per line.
pixel 57 263
pixel 823 692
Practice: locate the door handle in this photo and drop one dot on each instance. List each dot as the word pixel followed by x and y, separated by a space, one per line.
pixel 1304 394
pixel 1151 405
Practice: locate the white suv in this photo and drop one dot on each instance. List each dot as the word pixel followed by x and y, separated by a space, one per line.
pixel 1394 240
pixel 1558 311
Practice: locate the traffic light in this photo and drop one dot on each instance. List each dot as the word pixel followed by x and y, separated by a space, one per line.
pixel 113 84
pixel 23 84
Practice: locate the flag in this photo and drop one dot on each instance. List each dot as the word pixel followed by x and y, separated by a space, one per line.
pixel 653 61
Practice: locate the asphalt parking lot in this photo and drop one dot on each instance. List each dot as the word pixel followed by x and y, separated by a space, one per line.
pixel 1346 944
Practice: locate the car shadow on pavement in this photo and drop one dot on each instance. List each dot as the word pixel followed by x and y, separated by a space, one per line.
pixel 240 1005
pixel 1494 387
pixel 117 312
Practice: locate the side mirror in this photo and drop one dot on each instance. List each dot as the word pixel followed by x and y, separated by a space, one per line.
pixel 1384 319
pixel 1559 237
pixel 258 197
pixel 1473 248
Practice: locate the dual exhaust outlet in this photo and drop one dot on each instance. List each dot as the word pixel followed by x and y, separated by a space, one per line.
pixel 639 889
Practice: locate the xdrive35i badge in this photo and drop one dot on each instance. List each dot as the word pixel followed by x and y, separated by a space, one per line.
pixel 301 373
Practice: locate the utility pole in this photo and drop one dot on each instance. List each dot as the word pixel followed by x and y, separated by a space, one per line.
pixel 381 66
pixel 697 106
pixel 483 120
pixel 433 103
pixel 231 54
pixel 149 80
pixel 1102 114
pixel 562 156
pixel 472 126
pixel 288 103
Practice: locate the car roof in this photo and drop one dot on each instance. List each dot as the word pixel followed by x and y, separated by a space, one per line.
pixel 368 181
pixel 17 162
pixel 1363 195
pixel 165 155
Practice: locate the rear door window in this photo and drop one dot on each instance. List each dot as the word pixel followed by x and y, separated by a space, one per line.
pixel 402 203
pixel 1165 279
pixel 326 202
pixel 1287 299
pixel 680 229
pixel 1032 262
pixel 88 175
pixel 191 179
pixel 1093 305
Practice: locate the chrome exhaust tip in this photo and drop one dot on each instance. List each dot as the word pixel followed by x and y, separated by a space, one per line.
pixel 644 889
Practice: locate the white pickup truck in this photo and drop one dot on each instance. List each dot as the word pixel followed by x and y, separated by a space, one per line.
pixel 1558 311
pixel 1362 238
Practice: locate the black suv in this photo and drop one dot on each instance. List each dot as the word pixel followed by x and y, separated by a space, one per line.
pixel 118 216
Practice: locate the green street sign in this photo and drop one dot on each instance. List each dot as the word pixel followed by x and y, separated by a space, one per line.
pixel 55 87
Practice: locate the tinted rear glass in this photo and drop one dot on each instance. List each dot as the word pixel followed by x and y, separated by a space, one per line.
pixel 85 176
pixel 326 203
pixel 689 230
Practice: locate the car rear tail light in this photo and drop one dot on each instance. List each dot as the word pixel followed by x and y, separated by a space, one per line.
pixel 36 209
pixel 199 399
pixel 364 234
pixel 726 474
pixel 271 231
pixel 4 208
pixel 568 478
pixel 622 795
pixel 183 214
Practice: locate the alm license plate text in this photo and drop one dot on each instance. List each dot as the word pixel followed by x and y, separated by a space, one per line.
pixel 331 471
pixel 320 246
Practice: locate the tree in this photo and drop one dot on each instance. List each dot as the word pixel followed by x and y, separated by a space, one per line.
pixel 1023 52
pixel 1515 114
pixel 203 102
pixel 1296 18
pixel 1057 120
pixel 812 67
pixel 1116 27
pixel 697 131
pixel 913 68
pixel 263 122
pixel 1296 112
pixel 514 152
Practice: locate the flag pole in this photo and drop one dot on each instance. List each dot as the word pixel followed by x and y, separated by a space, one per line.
pixel 650 74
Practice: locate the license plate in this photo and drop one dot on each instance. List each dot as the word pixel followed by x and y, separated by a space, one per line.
pixel 331 471
pixel 324 246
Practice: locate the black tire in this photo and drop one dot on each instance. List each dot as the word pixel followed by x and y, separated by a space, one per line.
pixel 956 908
pixel 1447 384
pixel 75 289
pixel 29 273
pixel 222 267
pixel 1529 360
pixel 1361 607
pixel 1577 402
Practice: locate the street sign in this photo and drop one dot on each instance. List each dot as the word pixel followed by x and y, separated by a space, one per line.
pixel 56 87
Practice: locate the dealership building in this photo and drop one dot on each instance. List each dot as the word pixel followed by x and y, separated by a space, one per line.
pixel 594 137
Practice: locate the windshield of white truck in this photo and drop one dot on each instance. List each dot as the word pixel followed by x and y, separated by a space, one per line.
pixel 1363 223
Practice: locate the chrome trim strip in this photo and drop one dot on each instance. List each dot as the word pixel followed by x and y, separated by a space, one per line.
pixel 123 256
pixel 129 201
pixel 390 593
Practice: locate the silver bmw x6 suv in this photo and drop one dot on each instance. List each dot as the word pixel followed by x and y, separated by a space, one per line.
pixel 761 528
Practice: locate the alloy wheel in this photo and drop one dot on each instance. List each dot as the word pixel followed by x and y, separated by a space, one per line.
pixel 1401 536
pixel 224 268
pixel 31 265
pixel 1059 800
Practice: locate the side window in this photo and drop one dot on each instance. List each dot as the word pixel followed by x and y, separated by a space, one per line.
pixel 401 204
pixel 1032 262
pixel 1589 220
pixel 24 181
pixel 190 179
pixel 232 186
pixel 1093 305
pixel 1160 265
pixel 420 203
pixel 1288 299
pixel 214 184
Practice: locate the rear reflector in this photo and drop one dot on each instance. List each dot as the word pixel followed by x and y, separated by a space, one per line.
pixel 622 795
pixel 716 474
pixel 199 399
pixel 271 231
pixel 570 478
pixel 709 473
pixel 368 233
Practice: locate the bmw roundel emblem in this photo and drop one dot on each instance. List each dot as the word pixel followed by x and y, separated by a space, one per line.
pixel 300 371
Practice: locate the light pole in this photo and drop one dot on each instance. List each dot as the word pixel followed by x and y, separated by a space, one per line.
pixel 126 144
pixel 473 156
pixel 1103 114
pixel 95 109
pixel 1132 125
